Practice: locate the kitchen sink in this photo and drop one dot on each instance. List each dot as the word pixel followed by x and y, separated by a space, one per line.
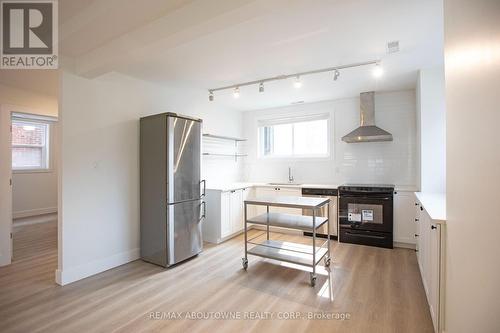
pixel 284 184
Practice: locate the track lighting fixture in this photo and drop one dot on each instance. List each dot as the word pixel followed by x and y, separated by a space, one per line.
pixel 378 71
pixel 297 83
pixel 336 75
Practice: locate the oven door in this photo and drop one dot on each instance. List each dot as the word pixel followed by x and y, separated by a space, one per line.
pixel 366 212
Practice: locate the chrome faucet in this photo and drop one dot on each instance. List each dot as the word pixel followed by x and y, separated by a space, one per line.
pixel 290 176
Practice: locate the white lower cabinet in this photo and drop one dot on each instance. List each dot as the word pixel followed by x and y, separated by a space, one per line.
pixel 430 252
pixel 225 214
pixel 267 191
pixel 404 217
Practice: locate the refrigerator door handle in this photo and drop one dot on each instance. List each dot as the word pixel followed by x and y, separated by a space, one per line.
pixel 204 188
pixel 204 210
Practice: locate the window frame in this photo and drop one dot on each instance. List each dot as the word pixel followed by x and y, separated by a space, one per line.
pixel 46 149
pixel 295 118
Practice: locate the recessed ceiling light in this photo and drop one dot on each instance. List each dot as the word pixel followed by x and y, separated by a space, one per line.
pixel 236 92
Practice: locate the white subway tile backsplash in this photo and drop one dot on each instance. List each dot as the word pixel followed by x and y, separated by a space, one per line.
pixel 376 162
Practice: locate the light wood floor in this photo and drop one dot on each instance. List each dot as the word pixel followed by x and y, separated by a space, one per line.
pixel 380 289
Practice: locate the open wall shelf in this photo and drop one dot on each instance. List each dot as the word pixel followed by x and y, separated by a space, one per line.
pixel 221 137
pixel 222 146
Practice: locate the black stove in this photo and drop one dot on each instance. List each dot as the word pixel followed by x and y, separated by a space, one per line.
pixel 366 214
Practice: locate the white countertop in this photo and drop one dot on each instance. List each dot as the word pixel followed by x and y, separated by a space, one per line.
pixel 434 204
pixel 240 185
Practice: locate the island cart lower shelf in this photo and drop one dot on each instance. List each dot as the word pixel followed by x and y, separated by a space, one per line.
pixel 296 253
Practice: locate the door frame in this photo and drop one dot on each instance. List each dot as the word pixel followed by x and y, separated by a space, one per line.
pixel 5 186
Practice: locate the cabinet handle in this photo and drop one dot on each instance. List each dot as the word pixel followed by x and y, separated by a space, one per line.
pixel 416 203
pixel 416 220
pixel 416 235
pixel 433 227
pixel 421 208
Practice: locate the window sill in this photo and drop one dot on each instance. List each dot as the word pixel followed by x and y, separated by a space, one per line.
pixel 21 171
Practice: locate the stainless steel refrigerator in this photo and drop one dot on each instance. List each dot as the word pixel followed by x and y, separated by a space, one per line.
pixel 171 189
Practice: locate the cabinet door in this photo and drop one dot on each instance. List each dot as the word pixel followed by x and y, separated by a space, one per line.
pixel 264 192
pixel 281 191
pixel 434 272
pixel 225 214
pixel 418 224
pixel 404 219
pixel 236 211
pixel 246 194
pixel 424 248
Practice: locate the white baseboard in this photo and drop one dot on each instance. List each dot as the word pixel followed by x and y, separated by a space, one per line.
pixel 404 245
pixel 73 274
pixel 33 212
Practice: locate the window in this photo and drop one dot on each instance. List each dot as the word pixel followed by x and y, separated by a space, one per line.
pixel 30 144
pixel 305 136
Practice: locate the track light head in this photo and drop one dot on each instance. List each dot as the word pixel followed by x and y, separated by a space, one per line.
pixel 336 75
pixel 261 87
pixel 297 83
pixel 210 95
pixel 378 71
pixel 236 92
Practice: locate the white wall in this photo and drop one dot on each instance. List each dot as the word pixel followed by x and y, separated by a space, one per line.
pixel 375 162
pixel 99 206
pixel 432 129
pixel 472 74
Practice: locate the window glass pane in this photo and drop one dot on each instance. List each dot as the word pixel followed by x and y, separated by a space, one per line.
pixel 282 139
pixel 311 138
pixel 29 144
pixel 28 133
pixel 27 158
pixel 293 137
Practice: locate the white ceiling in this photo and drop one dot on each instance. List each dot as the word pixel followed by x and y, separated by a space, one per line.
pixel 206 44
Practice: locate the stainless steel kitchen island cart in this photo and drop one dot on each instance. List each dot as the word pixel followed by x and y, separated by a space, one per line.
pixel 295 253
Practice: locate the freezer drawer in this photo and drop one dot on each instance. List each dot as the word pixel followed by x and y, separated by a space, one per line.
pixel 184 230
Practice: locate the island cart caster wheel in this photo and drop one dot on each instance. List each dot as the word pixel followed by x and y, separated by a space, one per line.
pixel 313 280
pixel 327 262
pixel 244 261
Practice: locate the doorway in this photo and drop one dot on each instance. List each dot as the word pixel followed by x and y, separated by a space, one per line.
pixel 29 206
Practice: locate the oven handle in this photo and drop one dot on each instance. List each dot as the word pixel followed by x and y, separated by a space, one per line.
pixel 366 236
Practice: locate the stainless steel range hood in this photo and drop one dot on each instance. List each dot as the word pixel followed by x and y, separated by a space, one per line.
pixel 367 131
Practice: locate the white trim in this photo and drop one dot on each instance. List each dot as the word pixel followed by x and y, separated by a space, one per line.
pixel 66 276
pixel 33 212
pixel 33 117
